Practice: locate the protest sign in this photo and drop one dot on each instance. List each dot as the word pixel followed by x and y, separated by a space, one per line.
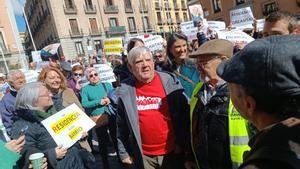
pixel 66 126
pixel 36 56
pixel 189 30
pixel 241 18
pixel 152 42
pixel 113 46
pixel 30 75
pixel 237 37
pixel 260 24
pixel 216 25
pixel 196 12
pixel 105 72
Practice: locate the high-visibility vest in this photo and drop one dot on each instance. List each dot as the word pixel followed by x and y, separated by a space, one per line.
pixel 238 131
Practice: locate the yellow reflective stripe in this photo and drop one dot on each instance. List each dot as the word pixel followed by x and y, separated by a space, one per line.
pixel 193 103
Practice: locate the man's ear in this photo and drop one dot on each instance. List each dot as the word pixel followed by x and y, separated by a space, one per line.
pixel 251 106
pixel 223 57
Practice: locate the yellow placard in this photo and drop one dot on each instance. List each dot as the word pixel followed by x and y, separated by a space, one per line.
pixel 65 122
pixel 73 134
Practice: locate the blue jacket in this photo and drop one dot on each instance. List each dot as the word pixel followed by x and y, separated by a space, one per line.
pixel 7 107
pixel 128 131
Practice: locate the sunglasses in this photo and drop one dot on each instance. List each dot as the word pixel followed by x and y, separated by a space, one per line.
pixel 92 75
pixel 77 74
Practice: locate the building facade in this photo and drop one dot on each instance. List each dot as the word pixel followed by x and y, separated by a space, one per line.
pixel 11 50
pixel 168 14
pixel 219 9
pixel 81 25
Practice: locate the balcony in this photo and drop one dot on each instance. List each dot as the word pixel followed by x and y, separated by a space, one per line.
pixel 90 9
pixel 149 29
pixel 133 30
pixel 111 9
pixel 159 22
pixel 70 9
pixel 143 8
pixel 170 21
pixel 75 33
pixel 176 6
pixel 178 20
pixel 128 9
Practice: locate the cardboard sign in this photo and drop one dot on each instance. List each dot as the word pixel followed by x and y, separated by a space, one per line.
pixel 152 42
pixel 241 18
pixel 196 12
pixel 113 46
pixel 260 24
pixel 105 72
pixel 236 37
pixel 36 56
pixel 189 30
pixel 216 25
pixel 66 126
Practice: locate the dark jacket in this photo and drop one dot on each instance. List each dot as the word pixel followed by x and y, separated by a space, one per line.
pixel 210 130
pixel 37 139
pixel 7 107
pixel 277 147
pixel 128 131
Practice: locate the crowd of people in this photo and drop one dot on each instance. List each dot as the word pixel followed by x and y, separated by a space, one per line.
pixel 217 105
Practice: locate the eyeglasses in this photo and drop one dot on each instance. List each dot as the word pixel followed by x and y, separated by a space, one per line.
pixel 77 74
pixel 92 75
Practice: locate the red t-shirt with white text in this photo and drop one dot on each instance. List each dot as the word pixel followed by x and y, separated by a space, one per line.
pixel 156 127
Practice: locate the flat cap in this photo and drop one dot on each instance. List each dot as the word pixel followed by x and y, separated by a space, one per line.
pixel 269 66
pixel 214 47
pixel 66 66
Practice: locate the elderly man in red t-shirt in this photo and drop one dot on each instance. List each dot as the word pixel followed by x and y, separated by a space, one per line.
pixel 152 121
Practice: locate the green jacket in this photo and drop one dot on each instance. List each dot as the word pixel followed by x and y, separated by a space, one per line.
pixel 8 158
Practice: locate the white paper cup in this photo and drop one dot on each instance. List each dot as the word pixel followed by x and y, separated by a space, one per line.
pixel 36 160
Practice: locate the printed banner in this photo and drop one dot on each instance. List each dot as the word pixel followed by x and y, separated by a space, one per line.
pixel 236 37
pixel 189 30
pixel 66 126
pixel 113 46
pixel 106 73
pixel 241 18
pixel 153 42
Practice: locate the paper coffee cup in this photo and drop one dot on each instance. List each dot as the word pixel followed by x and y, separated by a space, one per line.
pixel 36 160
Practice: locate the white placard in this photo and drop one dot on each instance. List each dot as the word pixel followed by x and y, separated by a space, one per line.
pixel 36 56
pixel 105 72
pixel 236 37
pixel 153 42
pixel 241 18
pixel 30 75
pixel 216 25
pixel 189 30
pixel 66 126
pixel 260 23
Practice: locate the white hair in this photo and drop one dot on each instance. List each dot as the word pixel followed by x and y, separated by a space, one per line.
pixel 28 95
pixel 137 51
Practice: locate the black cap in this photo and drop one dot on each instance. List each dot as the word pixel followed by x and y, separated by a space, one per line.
pixel 270 65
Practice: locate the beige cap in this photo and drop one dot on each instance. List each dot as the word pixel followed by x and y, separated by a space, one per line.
pixel 220 47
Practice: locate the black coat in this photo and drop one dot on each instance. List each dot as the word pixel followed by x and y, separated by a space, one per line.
pixel 39 140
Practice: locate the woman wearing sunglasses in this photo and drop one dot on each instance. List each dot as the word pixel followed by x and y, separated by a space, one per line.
pixel 95 101
pixel 73 83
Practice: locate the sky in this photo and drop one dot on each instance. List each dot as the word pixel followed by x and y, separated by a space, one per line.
pixel 18 8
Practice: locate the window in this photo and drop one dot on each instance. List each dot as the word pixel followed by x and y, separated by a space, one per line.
pixel 238 2
pixel 93 24
pixel 185 18
pixel 79 48
pixel 88 3
pixel 128 4
pixel 269 8
pixel 97 45
pixel 216 5
pixel 69 4
pixel 113 22
pixel 74 26
pixel 169 20
pixel 131 24
pixel 2 43
pixel 109 2
pixel 146 22
pixel 175 4
pixel 177 17
pixel 158 14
